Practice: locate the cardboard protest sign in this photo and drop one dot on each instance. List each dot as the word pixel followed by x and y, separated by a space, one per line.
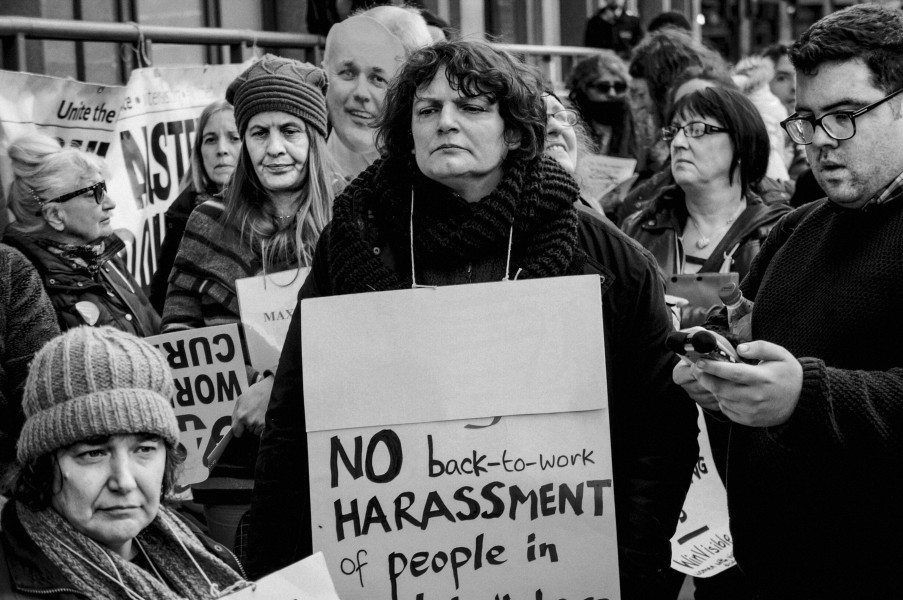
pixel 599 175
pixel 79 114
pixel 305 580
pixel 266 304
pixel 151 150
pixel 471 455
pixel 208 368
pixel 702 545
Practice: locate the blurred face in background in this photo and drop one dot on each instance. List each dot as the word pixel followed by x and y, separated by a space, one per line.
pixel 561 139
pixel 784 83
pixel 361 58
pixel 220 145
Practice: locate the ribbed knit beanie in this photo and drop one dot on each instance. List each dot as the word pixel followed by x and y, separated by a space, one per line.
pixel 95 381
pixel 280 84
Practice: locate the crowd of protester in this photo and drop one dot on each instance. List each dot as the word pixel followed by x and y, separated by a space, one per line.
pixel 410 160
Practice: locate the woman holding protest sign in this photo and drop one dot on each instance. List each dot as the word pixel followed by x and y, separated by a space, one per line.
pixel 213 160
pixel 271 216
pixel 97 454
pixel 464 190
pixel 62 209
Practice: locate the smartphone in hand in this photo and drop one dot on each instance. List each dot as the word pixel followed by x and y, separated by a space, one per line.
pixel 692 346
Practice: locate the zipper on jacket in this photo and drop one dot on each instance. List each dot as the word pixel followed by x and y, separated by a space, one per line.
pixel 50 591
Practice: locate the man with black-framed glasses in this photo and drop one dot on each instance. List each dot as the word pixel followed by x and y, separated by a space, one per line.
pixel 815 466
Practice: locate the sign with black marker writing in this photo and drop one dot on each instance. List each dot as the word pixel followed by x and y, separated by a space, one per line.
pixel 471 457
pixel 702 546
pixel 208 368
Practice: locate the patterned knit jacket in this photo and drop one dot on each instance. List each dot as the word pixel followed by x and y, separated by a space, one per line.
pixel 813 500
pixel 27 321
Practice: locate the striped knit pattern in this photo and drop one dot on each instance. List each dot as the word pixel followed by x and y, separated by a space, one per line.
pixel 95 381
pixel 536 197
pixel 27 321
pixel 202 284
pixel 282 85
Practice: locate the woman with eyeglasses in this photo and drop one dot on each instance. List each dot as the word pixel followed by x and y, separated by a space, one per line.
pixel 62 224
pixel 710 221
pixel 598 90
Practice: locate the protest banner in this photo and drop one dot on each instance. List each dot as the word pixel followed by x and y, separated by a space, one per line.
pixel 304 580
pixel 151 150
pixel 79 114
pixel 471 455
pixel 208 368
pixel 266 304
pixel 702 545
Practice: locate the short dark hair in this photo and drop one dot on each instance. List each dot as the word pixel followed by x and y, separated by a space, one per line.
pixel 474 69
pixel 665 54
pixel 669 18
pixel 775 51
pixel 32 484
pixel 747 131
pixel 871 33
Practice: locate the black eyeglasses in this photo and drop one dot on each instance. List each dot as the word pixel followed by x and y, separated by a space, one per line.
pixel 99 189
pixel 564 116
pixel 694 129
pixel 840 125
pixel 604 87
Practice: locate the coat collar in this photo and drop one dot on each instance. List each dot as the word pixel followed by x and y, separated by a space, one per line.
pixel 30 570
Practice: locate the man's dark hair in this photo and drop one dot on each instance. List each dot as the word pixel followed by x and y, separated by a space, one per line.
pixel 735 112
pixel 665 54
pixel 775 51
pixel 867 32
pixel 474 69
pixel 669 18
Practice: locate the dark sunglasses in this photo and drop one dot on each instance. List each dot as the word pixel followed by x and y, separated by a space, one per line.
pixel 604 87
pixel 99 189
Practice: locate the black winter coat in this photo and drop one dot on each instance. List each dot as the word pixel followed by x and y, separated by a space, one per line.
pixel 113 291
pixel 653 424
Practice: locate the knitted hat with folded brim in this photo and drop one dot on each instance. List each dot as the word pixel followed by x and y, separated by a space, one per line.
pixel 92 382
pixel 280 84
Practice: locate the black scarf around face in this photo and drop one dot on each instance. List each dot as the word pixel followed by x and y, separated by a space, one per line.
pixel 536 197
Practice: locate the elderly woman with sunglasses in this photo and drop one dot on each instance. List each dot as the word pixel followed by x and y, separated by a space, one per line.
pixel 62 212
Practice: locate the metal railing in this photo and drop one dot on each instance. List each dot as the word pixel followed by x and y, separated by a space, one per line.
pixel 15 31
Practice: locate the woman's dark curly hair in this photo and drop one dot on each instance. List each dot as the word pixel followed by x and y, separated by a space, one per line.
pixel 33 486
pixel 474 69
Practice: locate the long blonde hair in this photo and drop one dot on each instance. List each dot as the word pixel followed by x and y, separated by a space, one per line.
pixel 44 169
pixel 246 201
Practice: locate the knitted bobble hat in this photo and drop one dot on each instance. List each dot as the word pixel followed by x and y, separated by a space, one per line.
pixel 95 381
pixel 280 84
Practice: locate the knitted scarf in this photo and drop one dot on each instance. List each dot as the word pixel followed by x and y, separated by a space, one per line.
pixel 53 534
pixel 536 197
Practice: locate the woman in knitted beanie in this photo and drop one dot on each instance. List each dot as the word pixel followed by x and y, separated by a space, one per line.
pixel 62 209
pixel 273 211
pixel 97 454
pixel 463 194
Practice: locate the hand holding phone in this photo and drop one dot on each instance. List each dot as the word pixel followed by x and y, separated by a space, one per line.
pixel 698 344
